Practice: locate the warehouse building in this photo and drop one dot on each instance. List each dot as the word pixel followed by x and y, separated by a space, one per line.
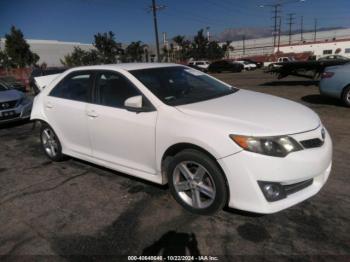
pixel 52 51
pixel 325 43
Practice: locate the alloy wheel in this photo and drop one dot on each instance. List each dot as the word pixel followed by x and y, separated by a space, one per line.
pixel 50 142
pixel 194 184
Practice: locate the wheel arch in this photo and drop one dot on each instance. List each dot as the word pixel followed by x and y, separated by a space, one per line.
pixel 176 148
pixel 343 90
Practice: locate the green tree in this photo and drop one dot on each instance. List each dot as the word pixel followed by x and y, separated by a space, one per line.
pixel 134 51
pixel 214 51
pixel 199 46
pixel 4 60
pixel 107 47
pixel 107 51
pixel 17 50
pixel 78 57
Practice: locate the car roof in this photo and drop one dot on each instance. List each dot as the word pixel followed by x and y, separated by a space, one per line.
pixel 127 66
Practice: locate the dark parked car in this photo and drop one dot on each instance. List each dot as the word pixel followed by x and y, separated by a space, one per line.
pixel 43 72
pixel 225 66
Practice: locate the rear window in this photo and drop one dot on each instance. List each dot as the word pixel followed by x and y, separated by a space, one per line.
pixel 74 87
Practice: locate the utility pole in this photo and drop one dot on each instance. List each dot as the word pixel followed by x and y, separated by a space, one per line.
pixel 301 28
pixel 165 40
pixel 208 33
pixel 243 39
pixel 276 8
pixel 315 30
pixel 276 11
pixel 290 23
pixel 154 9
pixel 279 34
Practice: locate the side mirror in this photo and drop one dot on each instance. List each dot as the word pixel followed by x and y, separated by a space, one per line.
pixel 134 104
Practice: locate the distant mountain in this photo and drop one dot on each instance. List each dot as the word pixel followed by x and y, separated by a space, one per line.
pixel 232 34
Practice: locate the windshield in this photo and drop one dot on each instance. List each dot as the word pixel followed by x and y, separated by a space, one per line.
pixel 181 85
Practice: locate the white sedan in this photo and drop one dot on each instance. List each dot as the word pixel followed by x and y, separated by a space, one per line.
pixel 214 144
pixel 247 65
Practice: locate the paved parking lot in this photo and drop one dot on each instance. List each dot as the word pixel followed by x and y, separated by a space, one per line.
pixel 74 208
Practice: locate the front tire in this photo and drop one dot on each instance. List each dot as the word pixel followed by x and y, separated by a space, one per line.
pixel 50 143
pixel 346 96
pixel 196 182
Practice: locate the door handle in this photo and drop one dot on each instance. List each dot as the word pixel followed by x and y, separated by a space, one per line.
pixel 49 105
pixel 92 113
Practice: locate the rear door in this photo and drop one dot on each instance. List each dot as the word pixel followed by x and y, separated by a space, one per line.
pixel 65 107
pixel 119 136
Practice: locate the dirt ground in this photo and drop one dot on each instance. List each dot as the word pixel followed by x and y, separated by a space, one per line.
pixel 76 211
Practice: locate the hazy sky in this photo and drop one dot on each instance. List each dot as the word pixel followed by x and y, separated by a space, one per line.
pixel 79 20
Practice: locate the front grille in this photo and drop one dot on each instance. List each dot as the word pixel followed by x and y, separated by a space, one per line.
pixel 290 189
pixel 312 143
pixel 8 117
pixel 8 105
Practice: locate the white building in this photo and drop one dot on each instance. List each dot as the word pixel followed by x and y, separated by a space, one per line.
pixel 327 42
pixel 51 51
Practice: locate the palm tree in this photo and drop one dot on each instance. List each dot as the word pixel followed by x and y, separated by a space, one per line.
pixel 179 41
pixel 227 48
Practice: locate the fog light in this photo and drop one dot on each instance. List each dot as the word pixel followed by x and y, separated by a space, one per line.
pixel 272 191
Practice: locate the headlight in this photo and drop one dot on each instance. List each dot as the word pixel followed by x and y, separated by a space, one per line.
pixel 278 146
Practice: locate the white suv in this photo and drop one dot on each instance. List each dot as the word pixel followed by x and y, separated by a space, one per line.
pixel 201 65
pixel 212 143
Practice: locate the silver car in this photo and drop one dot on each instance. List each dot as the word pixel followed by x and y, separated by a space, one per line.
pixel 335 82
pixel 14 105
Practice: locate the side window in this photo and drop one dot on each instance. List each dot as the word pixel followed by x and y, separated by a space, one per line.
pixel 74 87
pixel 327 52
pixel 113 89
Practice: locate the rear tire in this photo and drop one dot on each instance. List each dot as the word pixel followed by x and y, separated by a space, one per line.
pixel 196 182
pixel 346 96
pixel 50 143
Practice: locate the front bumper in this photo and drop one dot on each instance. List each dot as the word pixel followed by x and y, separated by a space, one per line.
pixel 244 169
pixel 21 112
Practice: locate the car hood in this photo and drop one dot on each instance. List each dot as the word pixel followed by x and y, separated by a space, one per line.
pixel 252 113
pixel 10 95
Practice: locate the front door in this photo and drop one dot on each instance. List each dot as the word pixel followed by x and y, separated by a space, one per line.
pixel 119 136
